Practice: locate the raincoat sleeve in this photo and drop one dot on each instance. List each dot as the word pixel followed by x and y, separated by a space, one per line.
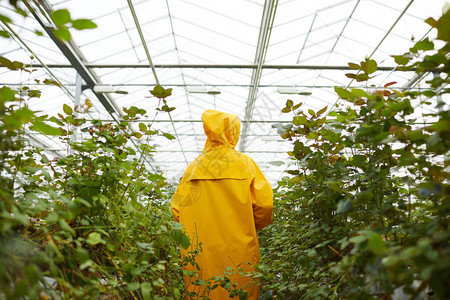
pixel 180 193
pixel 262 199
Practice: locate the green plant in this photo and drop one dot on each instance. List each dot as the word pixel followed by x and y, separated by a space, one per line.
pixel 367 210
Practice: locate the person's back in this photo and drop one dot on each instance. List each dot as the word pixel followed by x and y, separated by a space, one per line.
pixel 222 199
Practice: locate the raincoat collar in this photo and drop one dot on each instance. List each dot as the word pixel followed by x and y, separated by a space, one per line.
pixel 222 129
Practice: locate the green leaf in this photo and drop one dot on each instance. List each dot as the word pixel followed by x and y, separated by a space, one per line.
pixel 297 106
pixel 376 244
pixel 142 127
pixel 32 273
pixel 423 45
pixel 359 93
pixel 286 110
pixel 51 82
pixel 432 22
pixel 61 17
pixel 5 19
pixel 46 129
pixel 4 34
pixel 277 163
pixel 67 109
pixel 47 175
pixel 402 59
pixel 362 77
pixel 55 120
pixel 181 238
pixel 443 27
pixel 353 66
pixel 159 92
pixel 344 206
pixel 81 24
pixel 243 295
pixel 94 238
pixel 168 136
pixel 7 94
pixel 300 120
pixel 369 66
pixel 343 93
pixel 267 295
pixel 322 111
pixel 289 103
pixel 311 112
pixel 63 34
pixel 5 62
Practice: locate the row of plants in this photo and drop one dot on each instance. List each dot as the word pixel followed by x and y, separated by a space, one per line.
pixel 365 212
pixel 93 223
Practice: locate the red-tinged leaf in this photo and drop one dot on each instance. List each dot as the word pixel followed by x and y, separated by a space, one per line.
pixel 390 83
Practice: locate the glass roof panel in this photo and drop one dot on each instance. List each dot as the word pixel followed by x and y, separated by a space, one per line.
pixel 226 55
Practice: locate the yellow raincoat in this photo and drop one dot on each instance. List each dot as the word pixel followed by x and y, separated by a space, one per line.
pixel 222 199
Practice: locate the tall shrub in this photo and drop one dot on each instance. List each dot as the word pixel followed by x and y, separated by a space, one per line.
pixel 366 212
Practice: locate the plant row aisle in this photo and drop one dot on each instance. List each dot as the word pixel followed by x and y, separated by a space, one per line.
pixel 364 215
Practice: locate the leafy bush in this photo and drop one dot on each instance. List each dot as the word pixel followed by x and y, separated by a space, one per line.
pixel 93 222
pixel 367 210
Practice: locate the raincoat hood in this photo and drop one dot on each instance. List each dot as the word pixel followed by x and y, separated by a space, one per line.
pixel 221 129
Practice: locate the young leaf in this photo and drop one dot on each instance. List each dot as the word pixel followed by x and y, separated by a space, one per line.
pixel 46 129
pixel 300 120
pixel 423 45
pixel 322 111
pixel 359 93
pixel 62 34
pixel 142 126
pixel 4 34
pixel 353 66
pixel 343 93
pixel 289 103
pixel 67 109
pixel 168 136
pixel 61 17
pixel 369 66
pixel 159 92
pixel 402 59
pixel 81 24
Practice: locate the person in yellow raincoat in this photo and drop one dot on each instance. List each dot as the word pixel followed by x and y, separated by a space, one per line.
pixel 222 199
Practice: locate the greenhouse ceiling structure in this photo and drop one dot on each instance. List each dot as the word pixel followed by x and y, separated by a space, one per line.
pixel 246 57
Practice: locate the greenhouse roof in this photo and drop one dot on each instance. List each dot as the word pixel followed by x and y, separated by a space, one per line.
pixel 245 57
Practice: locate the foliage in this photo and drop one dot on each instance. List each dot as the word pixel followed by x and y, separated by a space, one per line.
pixel 367 210
pixel 93 223
pixel 96 221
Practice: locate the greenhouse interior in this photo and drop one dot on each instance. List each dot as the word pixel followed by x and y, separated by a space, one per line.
pixel 343 110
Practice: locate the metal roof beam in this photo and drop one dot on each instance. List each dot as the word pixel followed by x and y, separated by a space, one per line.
pixel 71 54
pixel 208 66
pixel 270 7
